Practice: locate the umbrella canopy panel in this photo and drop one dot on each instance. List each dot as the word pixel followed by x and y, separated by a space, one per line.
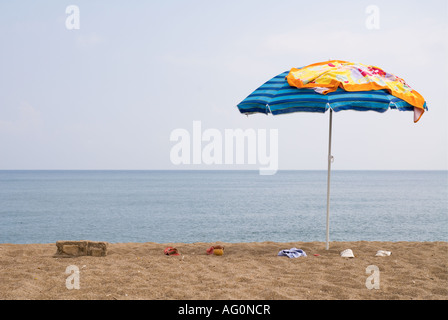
pixel 276 96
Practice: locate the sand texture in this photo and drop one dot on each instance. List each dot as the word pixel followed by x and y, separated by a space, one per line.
pixel 246 271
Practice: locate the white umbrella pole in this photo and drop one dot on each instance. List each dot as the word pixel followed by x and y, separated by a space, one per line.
pixel 328 181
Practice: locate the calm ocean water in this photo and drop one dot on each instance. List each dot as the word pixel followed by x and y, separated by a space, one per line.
pixel 230 206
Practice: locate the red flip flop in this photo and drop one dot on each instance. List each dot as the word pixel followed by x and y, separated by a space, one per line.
pixel 170 251
pixel 212 249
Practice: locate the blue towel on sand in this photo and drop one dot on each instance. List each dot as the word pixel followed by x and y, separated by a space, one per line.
pixel 292 253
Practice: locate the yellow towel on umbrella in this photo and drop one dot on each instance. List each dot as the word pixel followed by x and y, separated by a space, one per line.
pixel 325 77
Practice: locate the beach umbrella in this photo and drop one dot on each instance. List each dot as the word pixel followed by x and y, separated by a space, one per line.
pixel 333 85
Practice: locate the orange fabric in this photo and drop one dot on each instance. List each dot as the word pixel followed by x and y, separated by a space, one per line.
pixel 328 76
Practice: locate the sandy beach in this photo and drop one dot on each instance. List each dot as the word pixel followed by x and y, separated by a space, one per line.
pixel 246 271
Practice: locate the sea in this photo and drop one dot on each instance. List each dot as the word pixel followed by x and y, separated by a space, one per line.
pixel 229 206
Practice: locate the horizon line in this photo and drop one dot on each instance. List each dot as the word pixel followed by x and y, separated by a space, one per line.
pixel 332 170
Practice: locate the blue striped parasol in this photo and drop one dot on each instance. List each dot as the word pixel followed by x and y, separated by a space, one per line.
pixel 276 97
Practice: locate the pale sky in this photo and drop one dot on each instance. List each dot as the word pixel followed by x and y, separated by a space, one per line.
pixel 109 94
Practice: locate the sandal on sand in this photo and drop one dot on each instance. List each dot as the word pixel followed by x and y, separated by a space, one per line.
pixel 217 250
pixel 382 253
pixel 170 251
pixel 347 253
